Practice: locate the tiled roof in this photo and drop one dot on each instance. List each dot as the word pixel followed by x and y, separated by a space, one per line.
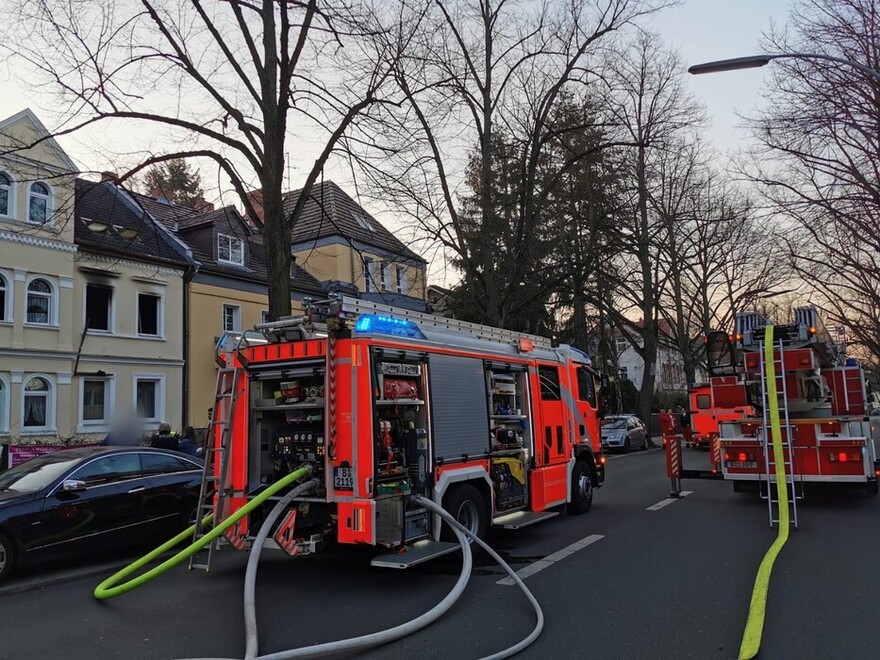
pixel 168 213
pixel 331 212
pixel 110 210
pixel 198 233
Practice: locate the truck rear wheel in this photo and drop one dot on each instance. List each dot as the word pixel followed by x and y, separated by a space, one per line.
pixel 581 488
pixel 466 504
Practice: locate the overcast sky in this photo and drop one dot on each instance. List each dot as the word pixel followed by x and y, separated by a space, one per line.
pixel 702 30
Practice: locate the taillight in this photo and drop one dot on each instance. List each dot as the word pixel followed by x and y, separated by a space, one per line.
pixel 727 456
pixel 844 457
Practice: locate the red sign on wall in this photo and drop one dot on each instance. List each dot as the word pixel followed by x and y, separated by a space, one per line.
pixel 20 453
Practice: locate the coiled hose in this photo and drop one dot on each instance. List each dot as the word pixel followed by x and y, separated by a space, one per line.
pixel 109 587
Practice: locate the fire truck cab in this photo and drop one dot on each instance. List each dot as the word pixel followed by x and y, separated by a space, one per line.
pixel 498 427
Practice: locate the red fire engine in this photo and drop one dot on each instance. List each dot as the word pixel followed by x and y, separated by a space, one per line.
pixel 706 416
pixel 498 427
pixel 822 404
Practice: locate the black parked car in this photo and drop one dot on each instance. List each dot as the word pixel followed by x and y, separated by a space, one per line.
pixel 90 499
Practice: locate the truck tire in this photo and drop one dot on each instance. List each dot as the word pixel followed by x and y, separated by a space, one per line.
pixel 466 504
pixel 7 556
pixel 581 488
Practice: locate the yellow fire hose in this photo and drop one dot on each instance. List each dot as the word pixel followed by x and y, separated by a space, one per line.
pixel 751 641
pixel 109 587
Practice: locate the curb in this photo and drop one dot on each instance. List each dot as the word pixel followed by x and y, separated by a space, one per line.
pixel 61 577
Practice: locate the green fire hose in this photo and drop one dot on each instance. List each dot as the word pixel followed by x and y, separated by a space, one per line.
pixel 109 587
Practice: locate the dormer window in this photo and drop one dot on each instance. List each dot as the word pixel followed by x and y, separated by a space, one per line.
pixel 230 250
pixel 39 203
pixel 5 195
pixel 362 222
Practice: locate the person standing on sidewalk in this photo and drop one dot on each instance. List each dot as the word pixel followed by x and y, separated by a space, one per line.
pixel 684 422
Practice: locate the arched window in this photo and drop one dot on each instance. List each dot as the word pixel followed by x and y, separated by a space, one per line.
pixel 38 404
pixel 39 302
pixel 39 203
pixel 6 195
pixel 5 299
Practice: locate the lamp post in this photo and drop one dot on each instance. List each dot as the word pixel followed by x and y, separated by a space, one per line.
pixel 755 61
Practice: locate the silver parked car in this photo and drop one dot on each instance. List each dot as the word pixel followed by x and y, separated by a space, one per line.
pixel 624 432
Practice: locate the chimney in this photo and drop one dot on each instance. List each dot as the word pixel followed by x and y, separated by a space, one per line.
pixel 159 195
pixel 109 176
pixel 256 200
pixel 203 207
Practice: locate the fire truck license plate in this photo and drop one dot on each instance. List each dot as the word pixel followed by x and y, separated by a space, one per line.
pixel 343 478
pixel 742 464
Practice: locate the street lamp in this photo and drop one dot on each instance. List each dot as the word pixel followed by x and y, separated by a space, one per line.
pixel 755 61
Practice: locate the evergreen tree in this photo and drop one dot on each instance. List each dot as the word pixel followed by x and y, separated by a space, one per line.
pixel 176 181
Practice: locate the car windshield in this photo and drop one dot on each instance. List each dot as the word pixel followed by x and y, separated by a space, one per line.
pixel 614 423
pixel 36 473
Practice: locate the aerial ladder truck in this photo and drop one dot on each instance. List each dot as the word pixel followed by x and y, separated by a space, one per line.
pixel 822 402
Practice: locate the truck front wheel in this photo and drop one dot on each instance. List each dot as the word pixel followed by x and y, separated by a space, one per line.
pixel 581 488
pixel 467 506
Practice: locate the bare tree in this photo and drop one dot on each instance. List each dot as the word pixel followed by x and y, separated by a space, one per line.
pixel 820 137
pixel 495 69
pixel 717 256
pixel 229 81
pixel 649 104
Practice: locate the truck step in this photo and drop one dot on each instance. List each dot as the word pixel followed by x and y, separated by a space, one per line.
pixel 416 553
pixel 520 519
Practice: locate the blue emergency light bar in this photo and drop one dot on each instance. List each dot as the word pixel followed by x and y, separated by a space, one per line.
pixel 386 325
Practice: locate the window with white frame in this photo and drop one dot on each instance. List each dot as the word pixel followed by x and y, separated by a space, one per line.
pixel 39 302
pixel 231 318
pixel 264 316
pixel 7 195
pixel 369 274
pixel 5 298
pixel 385 275
pixel 39 203
pixel 148 398
pixel 38 404
pixel 401 279
pixel 95 401
pixel 99 306
pixel 230 250
pixel 4 405
pixel 149 315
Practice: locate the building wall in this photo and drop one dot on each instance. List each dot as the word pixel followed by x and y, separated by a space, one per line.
pixel 335 261
pixel 124 353
pixel 30 349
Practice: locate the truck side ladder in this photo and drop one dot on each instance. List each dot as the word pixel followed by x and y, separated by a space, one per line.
pixel 215 484
pixel 794 482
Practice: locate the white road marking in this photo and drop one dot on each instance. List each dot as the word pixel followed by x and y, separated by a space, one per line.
pixel 668 501
pixel 549 560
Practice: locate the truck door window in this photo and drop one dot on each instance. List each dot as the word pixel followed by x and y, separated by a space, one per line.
pixel 549 377
pixel 586 386
pixel 704 402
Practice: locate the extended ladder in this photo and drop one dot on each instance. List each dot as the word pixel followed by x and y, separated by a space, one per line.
pixel 794 483
pixel 215 486
pixel 351 308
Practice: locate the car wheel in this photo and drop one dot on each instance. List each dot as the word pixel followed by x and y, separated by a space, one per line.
pixel 7 556
pixel 645 443
pixel 581 488
pixel 626 446
pixel 467 506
